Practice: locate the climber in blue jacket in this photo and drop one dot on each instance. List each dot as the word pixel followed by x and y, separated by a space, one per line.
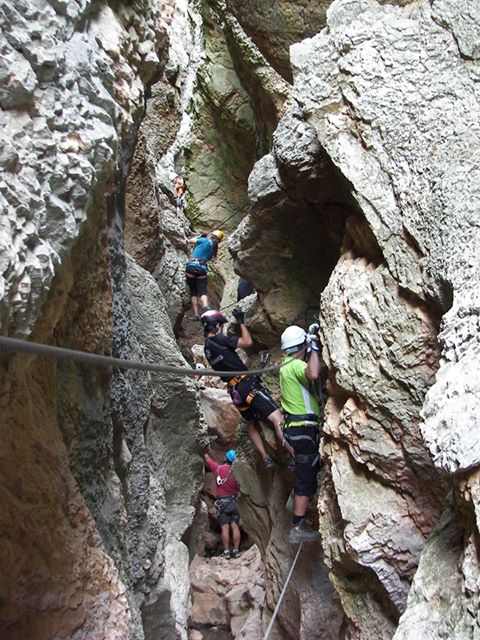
pixel 206 247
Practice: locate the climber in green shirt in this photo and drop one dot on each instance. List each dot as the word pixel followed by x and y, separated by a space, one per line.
pixel 302 420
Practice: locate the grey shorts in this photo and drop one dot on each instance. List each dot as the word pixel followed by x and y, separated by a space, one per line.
pixel 227 510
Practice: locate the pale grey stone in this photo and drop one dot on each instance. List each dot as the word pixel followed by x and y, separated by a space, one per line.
pixel 264 180
pixel 67 142
pixel 451 410
pixel 377 532
pixel 363 66
pixel 295 142
pixel 393 100
pixel 17 79
pixel 464 21
pixel 178 581
pixel 434 609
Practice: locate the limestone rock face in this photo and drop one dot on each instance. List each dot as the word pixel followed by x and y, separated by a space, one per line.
pixel 296 195
pixel 68 95
pixel 228 594
pixel 405 192
pixel 274 26
pixel 375 130
pixel 454 443
pixel 155 232
pixel 350 196
pixel 438 580
pixel 236 109
pixel 220 413
pixel 220 152
pixel 87 534
pixel 386 161
pixel 57 577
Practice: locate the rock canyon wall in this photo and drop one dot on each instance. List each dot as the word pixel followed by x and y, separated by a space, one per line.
pixel 95 499
pixel 335 143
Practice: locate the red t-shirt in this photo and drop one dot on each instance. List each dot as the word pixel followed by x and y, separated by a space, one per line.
pixel 224 481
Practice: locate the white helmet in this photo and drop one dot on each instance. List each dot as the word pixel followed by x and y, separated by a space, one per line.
pixel 293 339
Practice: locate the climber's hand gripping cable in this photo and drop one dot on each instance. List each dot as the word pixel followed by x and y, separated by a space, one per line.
pixel 239 315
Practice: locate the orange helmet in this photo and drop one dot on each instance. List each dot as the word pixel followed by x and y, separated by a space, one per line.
pixel 219 234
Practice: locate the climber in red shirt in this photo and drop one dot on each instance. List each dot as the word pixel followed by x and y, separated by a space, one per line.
pixel 227 489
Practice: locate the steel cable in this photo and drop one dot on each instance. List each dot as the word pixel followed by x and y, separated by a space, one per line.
pixel 275 612
pixel 61 353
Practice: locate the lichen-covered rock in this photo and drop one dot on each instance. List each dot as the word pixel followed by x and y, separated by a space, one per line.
pixel 220 152
pixel 274 26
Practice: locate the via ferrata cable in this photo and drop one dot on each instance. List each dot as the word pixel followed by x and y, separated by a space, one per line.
pixel 275 612
pixel 39 349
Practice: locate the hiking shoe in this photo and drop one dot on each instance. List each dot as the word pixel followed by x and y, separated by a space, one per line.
pixel 268 463
pixel 226 554
pixel 195 318
pixel 234 553
pixel 301 532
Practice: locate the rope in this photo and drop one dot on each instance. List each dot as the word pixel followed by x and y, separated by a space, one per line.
pixel 222 222
pixel 267 633
pixel 227 306
pixel 37 348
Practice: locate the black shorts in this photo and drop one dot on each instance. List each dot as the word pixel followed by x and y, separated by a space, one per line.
pixel 262 404
pixel 305 441
pixel 227 510
pixel 197 285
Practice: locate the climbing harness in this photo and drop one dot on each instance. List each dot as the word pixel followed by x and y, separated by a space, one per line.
pixel 37 348
pixel 275 612
pixel 307 418
pixel 242 404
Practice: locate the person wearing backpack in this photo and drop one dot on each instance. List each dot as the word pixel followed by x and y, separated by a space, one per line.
pixel 227 490
pixel 206 247
pixel 246 391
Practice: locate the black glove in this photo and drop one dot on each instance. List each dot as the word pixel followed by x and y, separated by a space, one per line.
pixel 238 314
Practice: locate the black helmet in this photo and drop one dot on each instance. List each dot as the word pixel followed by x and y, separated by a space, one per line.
pixel 212 317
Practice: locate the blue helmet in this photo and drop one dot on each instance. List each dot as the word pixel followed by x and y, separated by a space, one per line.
pixel 231 455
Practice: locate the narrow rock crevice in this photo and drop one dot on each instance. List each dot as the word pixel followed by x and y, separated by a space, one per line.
pixel 331 148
